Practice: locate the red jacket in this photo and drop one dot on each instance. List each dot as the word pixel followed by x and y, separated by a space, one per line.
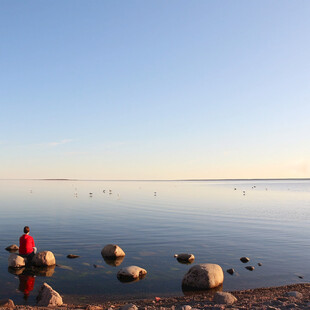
pixel 26 244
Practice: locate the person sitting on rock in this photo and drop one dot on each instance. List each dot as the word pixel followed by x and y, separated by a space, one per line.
pixel 27 247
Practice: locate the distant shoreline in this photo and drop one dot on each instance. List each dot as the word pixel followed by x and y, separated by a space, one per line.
pixel 162 180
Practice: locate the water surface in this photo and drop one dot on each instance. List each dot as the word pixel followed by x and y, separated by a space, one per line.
pixel 216 221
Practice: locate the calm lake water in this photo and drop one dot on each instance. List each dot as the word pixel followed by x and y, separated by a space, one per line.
pixel 218 224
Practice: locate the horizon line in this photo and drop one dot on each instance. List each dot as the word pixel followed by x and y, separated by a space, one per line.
pixel 156 180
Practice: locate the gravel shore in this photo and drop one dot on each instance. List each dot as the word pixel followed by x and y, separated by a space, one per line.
pixel 296 296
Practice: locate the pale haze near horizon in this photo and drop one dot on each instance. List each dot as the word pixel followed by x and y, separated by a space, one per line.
pixel 154 89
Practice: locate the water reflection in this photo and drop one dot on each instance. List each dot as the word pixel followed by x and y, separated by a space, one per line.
pixel 26 284
pixel 27 275
pixel 209 293
pixel 210 219
pixel 130 279
pixel 114 261
pixel 33 271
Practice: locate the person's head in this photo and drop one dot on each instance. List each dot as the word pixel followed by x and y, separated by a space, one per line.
pixel 26 229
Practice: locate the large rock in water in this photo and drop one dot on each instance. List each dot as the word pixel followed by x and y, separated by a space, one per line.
pixel 45 258
pixel 203 276
pixel 48 297
pixel 112 250
pixel 131 272
pixel 16 261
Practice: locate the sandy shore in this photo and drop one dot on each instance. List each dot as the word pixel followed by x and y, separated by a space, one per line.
pixel 271 298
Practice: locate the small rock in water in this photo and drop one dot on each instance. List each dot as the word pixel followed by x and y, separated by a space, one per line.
pixel 300 277
pixel 185 258
pixel 259 264
pixel 12 247
pixel 72 256
pixel 112 250
pixel 131 272
pixel 251 268
pixel 245 259
pixel 231 271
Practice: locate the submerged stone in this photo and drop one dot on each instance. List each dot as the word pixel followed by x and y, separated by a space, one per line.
pixel 72 256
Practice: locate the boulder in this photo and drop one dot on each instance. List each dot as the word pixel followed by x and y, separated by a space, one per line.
pixel 112 250
pixel 203 276
pixel 224 298
pixel 131 272
pixel 7 303
pixel 251 268
pixel 45 258
pixel 16 261
pixel 185 258
pixel 12 247
pixel 48 297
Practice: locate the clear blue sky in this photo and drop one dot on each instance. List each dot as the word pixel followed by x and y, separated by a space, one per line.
pixel 154 89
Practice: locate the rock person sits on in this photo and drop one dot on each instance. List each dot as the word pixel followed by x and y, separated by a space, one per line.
pixel 27 247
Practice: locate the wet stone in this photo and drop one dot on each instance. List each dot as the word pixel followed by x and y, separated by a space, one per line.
pixel 72 256
pixel 245 259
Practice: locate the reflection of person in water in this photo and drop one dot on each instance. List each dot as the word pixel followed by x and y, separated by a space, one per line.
pixel 26 284
pixel 27 247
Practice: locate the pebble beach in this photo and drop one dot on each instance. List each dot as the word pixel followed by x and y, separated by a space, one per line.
pixel 295 296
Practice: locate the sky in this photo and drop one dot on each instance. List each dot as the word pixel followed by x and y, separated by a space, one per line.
pixel 154 89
